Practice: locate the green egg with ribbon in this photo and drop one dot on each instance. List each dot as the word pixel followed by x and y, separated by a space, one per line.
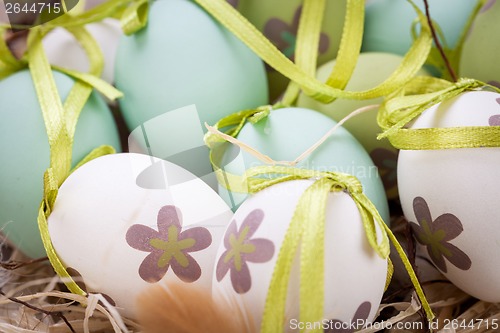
pixel 388 23
pixel 371 70
pixel 26 154
pixel 184 57
pixel 284 135
pixel 479 58
pixel 278 20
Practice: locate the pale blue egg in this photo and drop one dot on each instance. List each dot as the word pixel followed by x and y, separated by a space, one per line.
pixel 288 132
pixel 184 57
pixel 26 155
pixel 388 22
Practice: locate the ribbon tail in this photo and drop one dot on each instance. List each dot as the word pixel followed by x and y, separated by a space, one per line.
pixel 411 273
pixel 51 252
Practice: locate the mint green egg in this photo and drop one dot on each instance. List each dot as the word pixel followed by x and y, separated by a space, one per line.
pixel 371 70
pixel 26 155
pixel 388 22
pixel 278 20
pixel 286 133
pixel 184 57
pixel 479 58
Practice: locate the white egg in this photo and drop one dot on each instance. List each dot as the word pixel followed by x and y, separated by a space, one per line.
pixel 63 50
pixel 127 221
pixel 355 275
pixel 451 196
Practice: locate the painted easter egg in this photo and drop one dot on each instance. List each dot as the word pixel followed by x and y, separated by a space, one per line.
pixel 278 20
pixel 183 57
pixel 355 275
pixel 478 58
pixel 286 133
pixel 25 148
pixel 450 196
pixel 127 221
pixel 371 70
pixel 388 22
pixel 63 50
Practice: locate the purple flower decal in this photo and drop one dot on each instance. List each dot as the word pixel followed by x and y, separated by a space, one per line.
pixel 487 6
pixel 284 35
pixel 386 162
pixel 494 83
pixel 435 235
pixel 356 323
pixel 233 3
pixel 241 248
pixel 495 120
pixel 169 246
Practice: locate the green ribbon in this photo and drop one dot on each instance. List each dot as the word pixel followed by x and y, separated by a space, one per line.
pixel 306 230
pixel 248 34
pixel 235 122
pixel 135 17
pixel 306 47
pixel 60 122
pixel 417 96
pixel 308 35
pixel 61 118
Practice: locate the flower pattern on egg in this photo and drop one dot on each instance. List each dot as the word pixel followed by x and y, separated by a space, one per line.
pixel 168 247
pixel 495 120
pixel 284 35
pixel 356 323
pixel 242 248
pixel 386 162
pixel 487 6
pixel 435 236
pixel 234 3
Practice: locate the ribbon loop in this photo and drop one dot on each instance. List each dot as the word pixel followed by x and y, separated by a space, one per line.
pixel 345 182
pixel 248 34
pixel 135 17
pixel 235 122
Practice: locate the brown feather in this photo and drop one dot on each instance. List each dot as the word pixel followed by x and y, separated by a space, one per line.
pixel 182 308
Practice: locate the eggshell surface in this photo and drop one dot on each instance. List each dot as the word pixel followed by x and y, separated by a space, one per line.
pixel 127 221
pixel 450 196
pixel 478 59
pixel 388 22
pixel 354 274
pixel 184 57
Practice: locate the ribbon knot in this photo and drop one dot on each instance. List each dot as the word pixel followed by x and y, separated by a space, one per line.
pixel 344 182
pixel 235 122
pixel 260 113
